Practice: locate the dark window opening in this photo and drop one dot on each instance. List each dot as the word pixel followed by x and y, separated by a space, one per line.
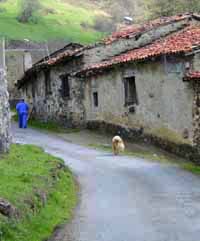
pixel 33 90
pixel 95 99
pixel 65 87
pixel 130 92
pixel 26 91
pixel 47 82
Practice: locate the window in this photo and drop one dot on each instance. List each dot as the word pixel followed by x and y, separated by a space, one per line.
pixel 47 82
pixel 65 87
pixel 33 90
pixel 172 65
pixel 130 91
pixel 95 99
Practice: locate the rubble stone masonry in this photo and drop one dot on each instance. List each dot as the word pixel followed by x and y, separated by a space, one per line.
pixel 5 137
pixel 196 114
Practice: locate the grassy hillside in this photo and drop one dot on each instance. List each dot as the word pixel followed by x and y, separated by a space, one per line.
pixel 41 189
pixel 83 21
pixel 56 19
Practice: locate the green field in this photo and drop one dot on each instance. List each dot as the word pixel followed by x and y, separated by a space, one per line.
pixel 56 19
pixel 27 175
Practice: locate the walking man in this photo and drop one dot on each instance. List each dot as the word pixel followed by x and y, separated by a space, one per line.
pixel 22 111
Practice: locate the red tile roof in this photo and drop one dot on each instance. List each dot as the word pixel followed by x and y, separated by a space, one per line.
pixel 62 56
pixel 66 48
pixel 181 42
pixel 195 75
pixel 46 64
pixel 130 31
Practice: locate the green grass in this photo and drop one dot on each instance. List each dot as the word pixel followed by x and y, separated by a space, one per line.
pixel 49 126
pixel 169 135
pixel 25 173
pixel 191 167
pixel 66 23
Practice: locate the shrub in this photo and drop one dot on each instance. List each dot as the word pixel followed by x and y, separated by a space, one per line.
pixel 27 10
pixel 103 24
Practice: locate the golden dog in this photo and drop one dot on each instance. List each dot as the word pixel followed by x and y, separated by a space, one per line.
pixel 117 145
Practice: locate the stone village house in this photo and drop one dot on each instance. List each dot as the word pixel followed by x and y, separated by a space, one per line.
pixel 143 78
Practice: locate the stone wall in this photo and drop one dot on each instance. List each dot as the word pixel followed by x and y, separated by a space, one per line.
pixel 5 137
pixel 137 135
pixel 164 100
pixel 52 106
pixel 196 114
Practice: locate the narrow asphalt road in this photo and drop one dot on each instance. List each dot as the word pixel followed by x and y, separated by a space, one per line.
pixel 124 198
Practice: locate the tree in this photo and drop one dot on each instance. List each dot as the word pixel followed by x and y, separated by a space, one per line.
pixel 27 10
pixel 191 5
pixel 158 8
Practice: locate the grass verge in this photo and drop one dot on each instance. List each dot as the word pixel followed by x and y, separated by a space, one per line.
pixel 152 156
pixel 40 187
pixel 144 154
pixel 49 126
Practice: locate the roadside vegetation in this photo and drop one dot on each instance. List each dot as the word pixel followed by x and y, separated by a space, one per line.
pixel 147 153
pixel 40 188
pixel 155 156
pixel 41 20
pixel 162 8
pixel 144 153
pixel 150 153
pixel 49 126
pixel 45 126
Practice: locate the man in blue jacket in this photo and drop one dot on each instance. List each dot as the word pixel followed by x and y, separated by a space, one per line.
pixel 22 110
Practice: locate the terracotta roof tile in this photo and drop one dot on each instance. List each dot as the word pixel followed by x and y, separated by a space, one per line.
pixel 195 75
pixel 46 64
pixel 63 55
pixel 181 42
pixel 130 31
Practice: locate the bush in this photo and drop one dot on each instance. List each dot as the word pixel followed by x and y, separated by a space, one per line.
pixel 159 8
pixel 27 10
pixel 103 24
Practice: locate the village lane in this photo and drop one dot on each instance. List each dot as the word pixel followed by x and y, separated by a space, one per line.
pixel 124 198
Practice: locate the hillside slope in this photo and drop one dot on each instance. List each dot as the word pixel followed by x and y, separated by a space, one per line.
pixel 79 21
pixel 54 20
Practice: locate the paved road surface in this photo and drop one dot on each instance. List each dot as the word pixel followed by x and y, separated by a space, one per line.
pixel 125 198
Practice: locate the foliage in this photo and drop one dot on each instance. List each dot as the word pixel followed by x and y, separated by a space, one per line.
pixel 159 8
pixel 169 135
pixel 103 24
pixel 27 10
pixel 26 173
pixel 50 126
pixel 46 126
pixel 51 20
